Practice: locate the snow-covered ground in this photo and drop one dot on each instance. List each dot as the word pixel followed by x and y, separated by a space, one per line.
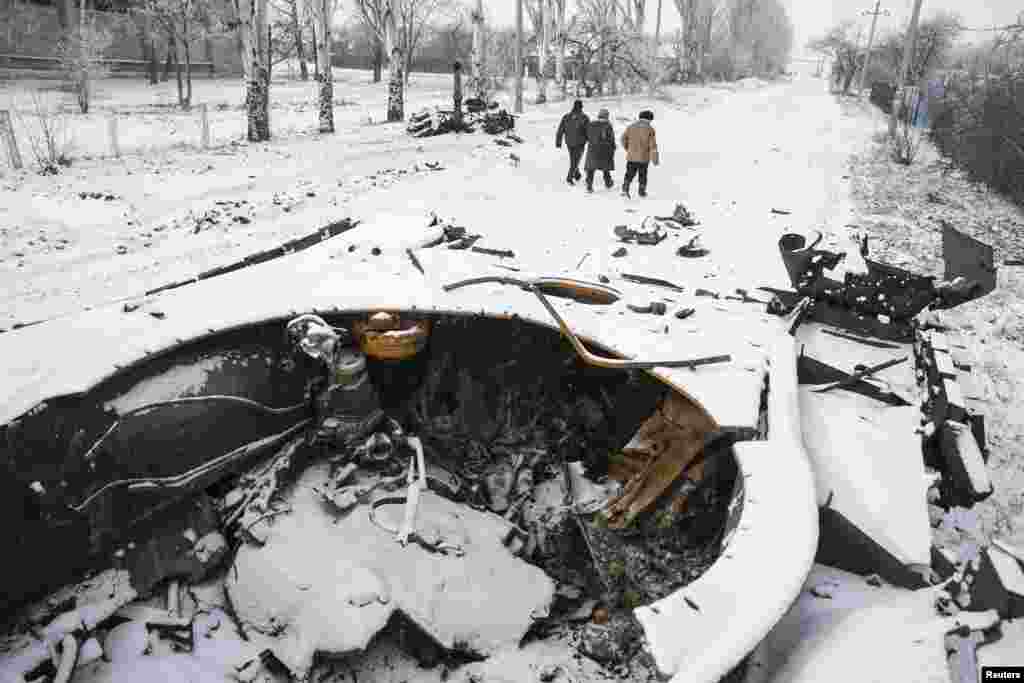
pixel 730 154
pixel 902 209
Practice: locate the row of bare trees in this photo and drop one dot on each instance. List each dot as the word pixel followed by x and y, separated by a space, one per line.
pixel 933 48
pixel 600 45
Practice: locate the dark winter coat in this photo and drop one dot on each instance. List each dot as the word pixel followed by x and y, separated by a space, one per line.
pixel 600 146
pixel 573 129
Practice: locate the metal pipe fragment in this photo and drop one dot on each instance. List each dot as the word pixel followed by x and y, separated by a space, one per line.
pixel 616 363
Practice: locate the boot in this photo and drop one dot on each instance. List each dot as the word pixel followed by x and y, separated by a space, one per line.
pixel 625 191
pixel 577 175
pixel 609 183
pixel 643 192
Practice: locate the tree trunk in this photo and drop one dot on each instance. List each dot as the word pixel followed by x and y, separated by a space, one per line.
pixel 154 63
pixel 396 86
pixel 84 94
pixel 518 58
pixel 178 76
pixel 561 40
pixel 542 52
pixel 208 41
pixel 325 76
pixel 378 59
pixel 188 76
pixel 169 62
pixel 613 30
pixel 316 60
pixel 457 94
pixel 251 23
pixel 263 31
pixel 148 49
pixel 300 48
pixel 656 59
pixel 478 76
pixel 66 16
pixel 396 79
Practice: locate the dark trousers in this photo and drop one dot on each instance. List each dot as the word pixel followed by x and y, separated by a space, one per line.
pixel 608 182
pixel 636 168
pixel 575 155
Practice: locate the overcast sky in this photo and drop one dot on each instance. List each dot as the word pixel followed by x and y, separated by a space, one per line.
pixel 813 17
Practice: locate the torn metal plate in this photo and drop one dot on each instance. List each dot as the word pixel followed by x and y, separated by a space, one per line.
pixel 968 258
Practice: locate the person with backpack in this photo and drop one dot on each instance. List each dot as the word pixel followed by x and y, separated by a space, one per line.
pixel 573 129
pixel 600 150
pixel 641 150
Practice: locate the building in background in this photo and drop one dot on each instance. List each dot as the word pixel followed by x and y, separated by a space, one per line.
pixel 30 31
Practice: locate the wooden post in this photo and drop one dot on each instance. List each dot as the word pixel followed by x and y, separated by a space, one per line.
pixel 457 94
pixel 7 130
pixel 204 123
pixel 115 148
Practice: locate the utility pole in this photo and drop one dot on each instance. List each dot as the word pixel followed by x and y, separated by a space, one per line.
pixel 871 41
pixel 908 56
pixel 519 57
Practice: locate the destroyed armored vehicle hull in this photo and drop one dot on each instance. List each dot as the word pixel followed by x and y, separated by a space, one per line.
pixel 114 417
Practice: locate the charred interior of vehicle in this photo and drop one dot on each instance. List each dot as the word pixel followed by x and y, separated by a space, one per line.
pixel 393 446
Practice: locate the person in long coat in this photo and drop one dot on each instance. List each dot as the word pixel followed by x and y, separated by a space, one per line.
pixel 573 129
pixel 600 150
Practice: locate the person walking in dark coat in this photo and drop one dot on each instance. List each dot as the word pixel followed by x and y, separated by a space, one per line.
pixel 600 150
pixel 641 149
pixel 573 129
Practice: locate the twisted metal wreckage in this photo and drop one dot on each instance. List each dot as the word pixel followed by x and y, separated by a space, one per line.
pixel 233 406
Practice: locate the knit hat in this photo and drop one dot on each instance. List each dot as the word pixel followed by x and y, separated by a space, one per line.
pixel 647 114
pixel 577 105
pixel 603 114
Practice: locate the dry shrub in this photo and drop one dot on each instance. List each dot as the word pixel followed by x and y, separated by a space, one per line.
pixel 48 136
pixel 81 56
pixel 979 128
pixel 906 143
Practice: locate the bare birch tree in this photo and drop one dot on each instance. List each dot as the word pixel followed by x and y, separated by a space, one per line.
pixel 252 26
pixel 541 18
pixel 561 42
pixel 400 25
pixel 396 79
pixel 323 10
pixel 656 51
pixel 478 76
pixel 543 46
pixel 184 22
pixel 290 25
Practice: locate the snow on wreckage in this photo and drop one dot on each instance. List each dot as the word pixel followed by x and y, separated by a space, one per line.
pixel 225 432
pixel 376 437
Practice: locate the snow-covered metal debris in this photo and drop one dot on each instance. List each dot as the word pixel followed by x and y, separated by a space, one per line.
pixel 438 121
pixel 892 294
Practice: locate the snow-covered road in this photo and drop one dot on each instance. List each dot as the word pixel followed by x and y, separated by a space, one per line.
pixel 729 155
